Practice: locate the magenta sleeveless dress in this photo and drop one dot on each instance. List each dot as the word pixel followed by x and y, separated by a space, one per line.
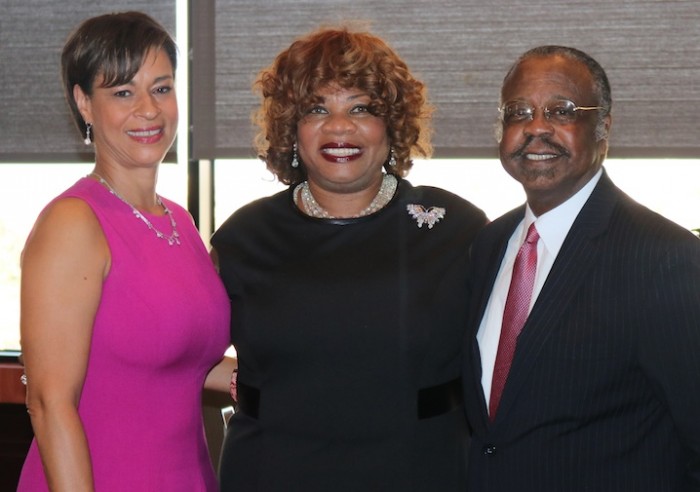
pixel 163 322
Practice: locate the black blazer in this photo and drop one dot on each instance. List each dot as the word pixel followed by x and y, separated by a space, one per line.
pixel 604 390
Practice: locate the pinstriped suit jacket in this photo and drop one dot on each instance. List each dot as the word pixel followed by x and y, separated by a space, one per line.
pixel 604 390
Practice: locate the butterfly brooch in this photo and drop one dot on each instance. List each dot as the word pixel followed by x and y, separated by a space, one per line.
pixel 431 216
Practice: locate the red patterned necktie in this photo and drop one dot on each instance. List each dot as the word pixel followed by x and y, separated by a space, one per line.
pixel 514 314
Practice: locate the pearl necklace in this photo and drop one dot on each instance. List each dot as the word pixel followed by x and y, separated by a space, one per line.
pixel 173 238
pixel 313 209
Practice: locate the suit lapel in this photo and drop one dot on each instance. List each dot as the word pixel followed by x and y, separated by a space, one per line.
pixel 574 262
pixel 484 279
pixel 487 278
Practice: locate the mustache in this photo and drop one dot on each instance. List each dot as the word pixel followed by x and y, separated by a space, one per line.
pixel 520 151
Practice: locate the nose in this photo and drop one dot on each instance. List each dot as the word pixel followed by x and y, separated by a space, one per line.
pixel 539 124
pixel 338 123
pixel 147 106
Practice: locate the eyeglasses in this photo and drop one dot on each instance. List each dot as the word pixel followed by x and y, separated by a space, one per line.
pixel 559 112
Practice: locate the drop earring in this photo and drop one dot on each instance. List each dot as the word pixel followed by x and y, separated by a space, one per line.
pixel 88 128
pixel 392 158
pixel 295 160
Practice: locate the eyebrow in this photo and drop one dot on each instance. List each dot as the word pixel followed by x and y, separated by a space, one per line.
pixel 157 80
pixel 164 77
pixel 555 97
pixel 351 97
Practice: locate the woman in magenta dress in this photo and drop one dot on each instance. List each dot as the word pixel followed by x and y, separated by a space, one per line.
pixel 123 313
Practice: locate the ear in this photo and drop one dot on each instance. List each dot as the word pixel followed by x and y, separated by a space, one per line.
pixel 607 123
pixel 83 102
pixel 603 136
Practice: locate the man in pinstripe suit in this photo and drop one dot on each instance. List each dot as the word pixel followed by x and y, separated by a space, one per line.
pixel 603 391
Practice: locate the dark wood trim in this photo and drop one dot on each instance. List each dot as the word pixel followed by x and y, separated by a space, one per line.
pixel 11 389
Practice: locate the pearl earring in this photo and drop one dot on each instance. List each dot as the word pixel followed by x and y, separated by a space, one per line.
pixel 295 160
pixel 392 158
pixel 88 127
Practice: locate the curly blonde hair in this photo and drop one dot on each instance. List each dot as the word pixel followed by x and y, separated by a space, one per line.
pixel 349 60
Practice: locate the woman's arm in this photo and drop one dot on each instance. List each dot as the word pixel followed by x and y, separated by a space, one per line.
pixel 64 264
pixel 220 376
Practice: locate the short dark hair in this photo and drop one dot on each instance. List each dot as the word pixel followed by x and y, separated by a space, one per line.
pixel 114 46
pixel 348 59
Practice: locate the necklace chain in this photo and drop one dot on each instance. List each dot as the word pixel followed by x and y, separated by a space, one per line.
pixel 313 209
pixel 173 238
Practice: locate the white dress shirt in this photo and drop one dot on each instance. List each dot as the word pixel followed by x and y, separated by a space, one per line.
pixel 552 227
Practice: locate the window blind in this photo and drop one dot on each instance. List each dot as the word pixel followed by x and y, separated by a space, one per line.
pixel 462 49
pixel 35 120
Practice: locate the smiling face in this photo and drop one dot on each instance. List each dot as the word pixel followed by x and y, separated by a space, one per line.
pixel 551 160
pixel 134 124
pixel 342 145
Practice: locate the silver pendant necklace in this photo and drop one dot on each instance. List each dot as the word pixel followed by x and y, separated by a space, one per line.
pixel 313 209
pixel 173 238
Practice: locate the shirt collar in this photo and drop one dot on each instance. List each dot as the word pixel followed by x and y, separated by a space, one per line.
pixel 554 225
